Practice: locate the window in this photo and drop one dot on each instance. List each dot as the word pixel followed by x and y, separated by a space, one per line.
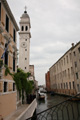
pixel 14 64
pixel 78 87
pixel 14 87
pixel 66 85
pixel 6 58
pixel 22 28
pixel 7 23
pixel 79 49
pixel 74 53
pixel 76 75
pixel 67 58
pixel 75 64
pixel 73 85
pixel 25 58
pixel 25 39
pixel 14 61
pixel 61 85
pixel 5 86
pixel 64 61
pixel 68 73
pixel 70 56
pixel 26 28
pixel 25 49
pixel 25 67
pixel 0 11
pixel 72 70
pixel 70 85
pixel 14 35
pixel 65 73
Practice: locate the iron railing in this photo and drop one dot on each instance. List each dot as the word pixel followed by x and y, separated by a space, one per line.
pixel 66 110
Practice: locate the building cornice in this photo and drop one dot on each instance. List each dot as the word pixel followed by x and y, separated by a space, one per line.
pixel 10 13
pixel 65 54
pixel 25 33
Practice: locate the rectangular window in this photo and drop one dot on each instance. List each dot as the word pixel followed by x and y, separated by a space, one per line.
pixel 6 58
pixel 70 85
pixel 5 86
pixel 14 87
pixel 66 85
pixel 78 87
pixel 74 53
pixel 79 49
pixel 25 49
pixel 75 64
pixel 64 61
pixel 14 35
pixel 25 58
pixel 67 58
pixel 73 85
pixel 65 73
pixel 0 11
pixel 76 75
pixel 61 85
pixel 71 70
pixel 70 56
pixel 14 64
pixel 7 23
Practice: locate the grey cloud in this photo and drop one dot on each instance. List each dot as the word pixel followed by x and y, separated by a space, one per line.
pixel 54 23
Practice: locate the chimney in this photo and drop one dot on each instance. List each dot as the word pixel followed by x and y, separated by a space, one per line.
pixel 72 44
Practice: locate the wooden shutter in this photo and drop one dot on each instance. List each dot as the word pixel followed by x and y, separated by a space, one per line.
pixel 10 61
pixel 10 49
pixel 2 16
pixel 11 29
pixel 1 86
pixel 10 86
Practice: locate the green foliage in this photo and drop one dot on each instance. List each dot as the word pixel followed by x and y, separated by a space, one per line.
pixel 7 71
pixel 22 84
pixel 1 63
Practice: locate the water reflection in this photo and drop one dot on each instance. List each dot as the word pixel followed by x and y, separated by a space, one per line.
pixel 49 102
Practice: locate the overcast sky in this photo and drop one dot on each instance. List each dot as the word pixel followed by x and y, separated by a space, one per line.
pixel 55 24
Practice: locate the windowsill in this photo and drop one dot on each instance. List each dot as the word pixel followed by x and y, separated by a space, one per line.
pixel 5 93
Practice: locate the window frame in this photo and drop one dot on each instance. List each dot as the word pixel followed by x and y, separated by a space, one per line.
pixel 7 23
pixel 5 86
pixel 0 11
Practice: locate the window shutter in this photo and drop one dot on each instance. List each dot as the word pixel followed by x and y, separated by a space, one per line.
pixel 10 62
pixel 10 86
pixel 1 86
pixel 11 29
pixel 2 16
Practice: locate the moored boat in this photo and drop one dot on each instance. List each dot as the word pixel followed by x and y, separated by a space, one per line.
pixel 41 96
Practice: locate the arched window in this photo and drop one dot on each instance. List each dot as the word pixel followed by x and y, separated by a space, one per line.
pixel 22 28
pixel 26 28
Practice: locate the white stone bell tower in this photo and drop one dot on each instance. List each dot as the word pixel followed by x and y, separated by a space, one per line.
pixel 24 42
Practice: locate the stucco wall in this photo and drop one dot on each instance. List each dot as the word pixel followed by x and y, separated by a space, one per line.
pixel 7 104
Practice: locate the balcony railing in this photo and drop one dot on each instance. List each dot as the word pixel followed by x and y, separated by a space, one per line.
pixel 66 110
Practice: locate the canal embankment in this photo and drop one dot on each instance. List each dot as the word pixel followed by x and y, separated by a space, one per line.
pixel 24 111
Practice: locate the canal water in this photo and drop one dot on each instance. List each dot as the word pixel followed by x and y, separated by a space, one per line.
pixel 66 111
pixel 49 102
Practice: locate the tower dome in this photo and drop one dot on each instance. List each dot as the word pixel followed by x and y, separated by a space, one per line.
pixel 25 18
pixel 25 15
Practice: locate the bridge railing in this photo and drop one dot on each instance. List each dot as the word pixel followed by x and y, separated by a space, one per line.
pixel 66 110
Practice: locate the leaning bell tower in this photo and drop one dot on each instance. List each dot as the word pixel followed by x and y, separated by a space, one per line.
pixel 24 41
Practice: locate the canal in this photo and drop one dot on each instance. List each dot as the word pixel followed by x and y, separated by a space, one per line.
pixel 49 102
pixel 69 110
